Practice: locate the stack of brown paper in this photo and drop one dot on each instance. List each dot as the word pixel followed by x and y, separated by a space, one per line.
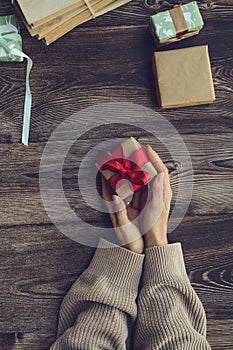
pixel 183 77
pixel 49 20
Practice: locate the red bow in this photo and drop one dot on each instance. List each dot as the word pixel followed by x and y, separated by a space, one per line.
pixel 125 169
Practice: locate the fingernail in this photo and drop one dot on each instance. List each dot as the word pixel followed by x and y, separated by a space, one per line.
pixel 116 199
pixel 150 149
pixel 160 179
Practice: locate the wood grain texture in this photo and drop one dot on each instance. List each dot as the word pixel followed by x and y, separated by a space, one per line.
pixel 116 75
pixel 40 341
pixel 109 60
pixel 22 341
pixel 213 177
pixel 220 330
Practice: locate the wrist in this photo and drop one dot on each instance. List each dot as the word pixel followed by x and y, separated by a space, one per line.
pixel 155 238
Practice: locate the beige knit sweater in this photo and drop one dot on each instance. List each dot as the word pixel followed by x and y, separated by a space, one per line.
pixel 127 300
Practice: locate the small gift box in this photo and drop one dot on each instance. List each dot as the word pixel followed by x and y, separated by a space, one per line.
pixel 183 77
pixel 176 24
pixel 11 51
pixel 9 31
pixel 126 168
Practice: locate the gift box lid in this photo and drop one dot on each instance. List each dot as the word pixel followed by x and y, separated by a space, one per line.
pixel 183 77
pixel 9 33
pixel 136 159
pixel 164 24
pixel 192 16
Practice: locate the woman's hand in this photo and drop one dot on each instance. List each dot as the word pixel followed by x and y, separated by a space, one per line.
pixel 122 218
pixel 154 218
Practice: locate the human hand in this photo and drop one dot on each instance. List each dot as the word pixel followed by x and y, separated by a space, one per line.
pixel 154 218
pixel 122 218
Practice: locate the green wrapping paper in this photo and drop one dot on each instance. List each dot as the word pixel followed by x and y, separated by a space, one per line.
pixel 11 51
pixel 178 23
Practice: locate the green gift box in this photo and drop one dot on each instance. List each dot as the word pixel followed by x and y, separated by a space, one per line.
pixel 10 33
pixel 176 24
pixel 11 51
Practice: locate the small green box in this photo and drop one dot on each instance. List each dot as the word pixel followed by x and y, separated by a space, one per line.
pixel 9 33
pixel 176 24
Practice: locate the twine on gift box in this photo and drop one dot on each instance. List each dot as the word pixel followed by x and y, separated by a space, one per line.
pixel 90 8
pixel 179 21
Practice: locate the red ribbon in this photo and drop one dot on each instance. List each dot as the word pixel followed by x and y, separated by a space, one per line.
pixel 125 169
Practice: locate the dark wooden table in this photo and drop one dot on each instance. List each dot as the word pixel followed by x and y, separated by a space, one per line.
pixel 109 60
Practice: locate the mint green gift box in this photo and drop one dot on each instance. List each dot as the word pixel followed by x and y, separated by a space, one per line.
pixel 11 51
pixel 176 24
pixel 10 33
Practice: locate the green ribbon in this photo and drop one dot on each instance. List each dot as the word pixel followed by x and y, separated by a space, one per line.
pixel 10 50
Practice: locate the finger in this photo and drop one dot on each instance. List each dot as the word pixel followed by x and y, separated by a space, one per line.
pixel 156 160
pixel 113 219
pixel 106 193
pixel 160 167
pixel 120 211
pixel 135 203
pixel 167 193
pixel 144 196
pixel 108 200
pixel 158 190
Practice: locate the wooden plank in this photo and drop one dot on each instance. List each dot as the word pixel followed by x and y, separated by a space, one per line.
pixel 138 11
pixel 38 263
pixel 79 85
pixel 212 162
pixel 50 263
pixel 26 341
pixel 218 334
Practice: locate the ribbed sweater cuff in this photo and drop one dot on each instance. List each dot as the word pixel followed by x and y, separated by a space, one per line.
pixel 163 264
pixel 120 266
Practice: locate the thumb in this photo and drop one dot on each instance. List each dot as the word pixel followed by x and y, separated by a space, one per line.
pixel 158 190
pixel 121 212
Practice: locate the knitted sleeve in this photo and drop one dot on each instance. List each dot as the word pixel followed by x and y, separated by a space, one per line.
pixel 170 314
pixel 100 308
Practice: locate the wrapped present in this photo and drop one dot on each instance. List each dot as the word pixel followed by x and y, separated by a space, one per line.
pixel 181 22
pixel 10 32
pixel 126 168
pixel 11 51
pixel 183 77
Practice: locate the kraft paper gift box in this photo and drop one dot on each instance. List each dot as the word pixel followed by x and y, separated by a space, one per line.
pixel 176 24
pixel 183 77
pixel 126 168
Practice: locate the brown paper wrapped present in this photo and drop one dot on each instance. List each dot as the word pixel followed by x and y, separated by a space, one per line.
pixel 183 77
pixel 126 168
